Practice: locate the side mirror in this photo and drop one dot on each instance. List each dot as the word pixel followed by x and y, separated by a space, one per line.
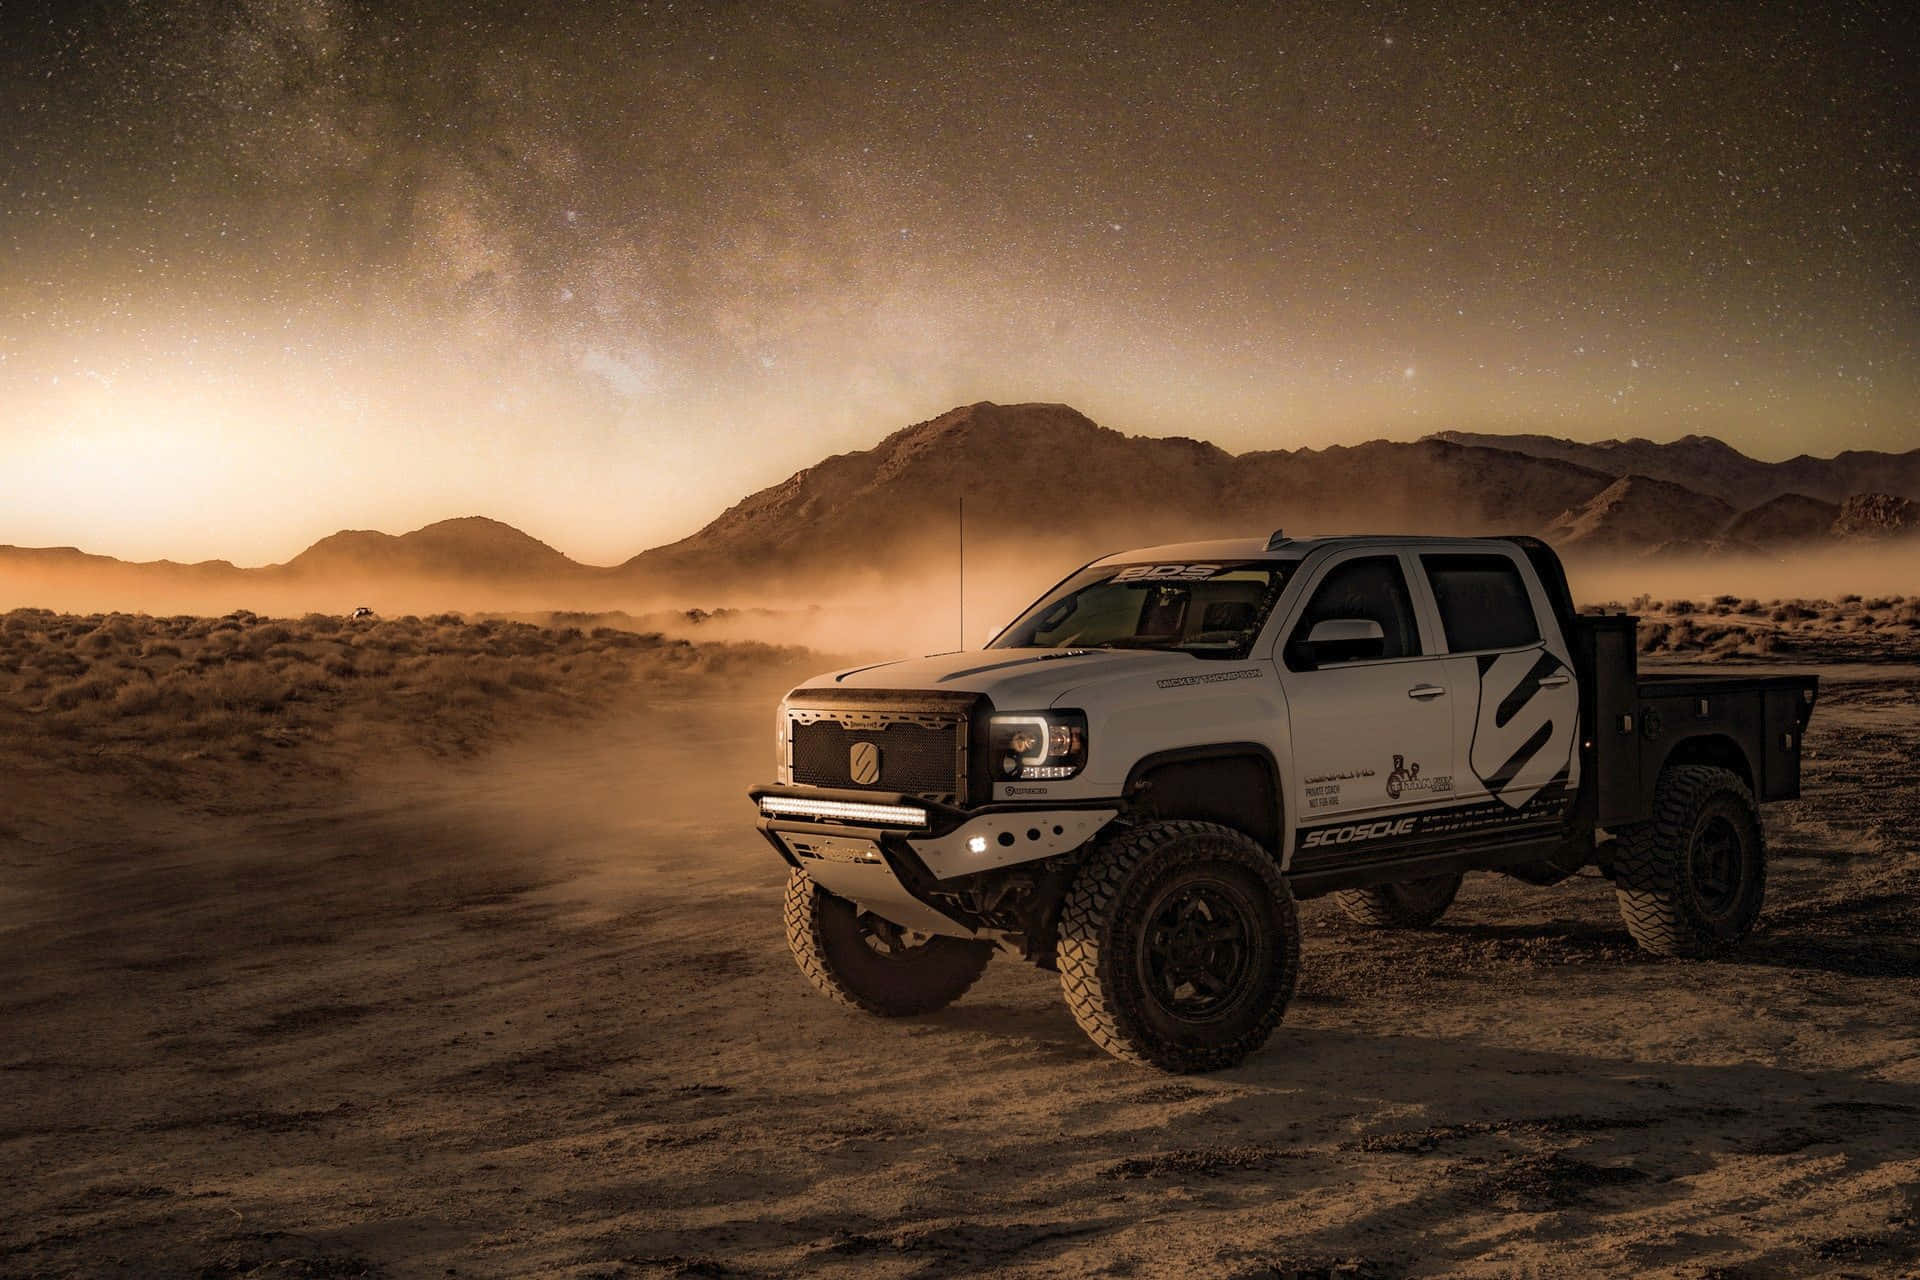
pixel 1346 640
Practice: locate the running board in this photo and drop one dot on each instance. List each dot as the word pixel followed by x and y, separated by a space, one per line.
pixel 1350 873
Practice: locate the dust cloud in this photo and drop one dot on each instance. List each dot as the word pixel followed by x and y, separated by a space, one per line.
pixel 910 604
pixel 1886 569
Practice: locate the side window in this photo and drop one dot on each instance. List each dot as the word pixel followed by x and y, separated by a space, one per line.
pixel 1372 589
pixel 1483 602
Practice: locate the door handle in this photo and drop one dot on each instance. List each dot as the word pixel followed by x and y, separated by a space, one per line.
pixel 1425 691
pixel 1554 681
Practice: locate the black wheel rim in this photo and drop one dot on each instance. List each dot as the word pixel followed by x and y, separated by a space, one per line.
pixel 1196 949
pixel 1717 866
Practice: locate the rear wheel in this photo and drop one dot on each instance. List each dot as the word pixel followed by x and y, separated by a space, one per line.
pixel 1692 879
pixel 1404 904
pixel 871 964
pixel 1179 946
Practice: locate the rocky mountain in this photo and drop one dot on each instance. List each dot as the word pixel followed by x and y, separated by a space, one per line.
pixel 1877 515
pixel 468 547
pixel 1048 474
pixel 1045 482
pixel 1709 466
pixel 1637 512
pixel 1787 519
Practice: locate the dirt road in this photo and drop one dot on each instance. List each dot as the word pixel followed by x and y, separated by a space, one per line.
pixel 534 1016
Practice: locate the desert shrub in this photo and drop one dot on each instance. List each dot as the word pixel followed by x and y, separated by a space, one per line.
pixel 66 697
pixel 455 678
pixel 1792 611
pixel 159 649
pixel 99 640
pixel 58 662
pixel 240 688
pixel 321 624
pixel 1680 608
pixel 286 652
pixel 1880 602
pixel 391 636
pixel 520 676
pixel 1850 599
pixel 138 698
pixel 226 624
pixel 610 638
pixel 447 620
pixel 341 667
pixel 1752 608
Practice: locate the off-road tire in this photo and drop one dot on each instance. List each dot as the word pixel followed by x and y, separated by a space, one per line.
pixel 1404 904
pixel 1132 885
pixel 830 940
pixel 1672 897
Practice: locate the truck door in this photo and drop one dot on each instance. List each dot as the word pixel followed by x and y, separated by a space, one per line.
pixel 1371 719
pixel 1516 715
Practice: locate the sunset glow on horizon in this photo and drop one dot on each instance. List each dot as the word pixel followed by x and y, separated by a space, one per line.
pixel 290 266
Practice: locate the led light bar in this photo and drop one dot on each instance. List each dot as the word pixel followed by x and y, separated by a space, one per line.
pixel 845 811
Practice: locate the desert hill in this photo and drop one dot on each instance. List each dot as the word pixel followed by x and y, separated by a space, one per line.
pixel 1045 482
pixel 467 547
pixel 1877 515
pixel 1047 473
pixel 1637 512
pixel 1710 466
pixel 1787 519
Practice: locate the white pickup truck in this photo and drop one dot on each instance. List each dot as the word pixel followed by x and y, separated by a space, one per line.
pixel 1134 781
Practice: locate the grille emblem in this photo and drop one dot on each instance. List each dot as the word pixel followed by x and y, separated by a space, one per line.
pixel 863 763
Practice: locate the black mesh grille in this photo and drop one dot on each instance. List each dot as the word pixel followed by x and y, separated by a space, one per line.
pixel 916 758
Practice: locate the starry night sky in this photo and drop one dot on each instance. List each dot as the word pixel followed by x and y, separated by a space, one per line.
pixel 278 266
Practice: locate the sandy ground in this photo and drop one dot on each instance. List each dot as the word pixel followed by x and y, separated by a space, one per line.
pixel 532 1014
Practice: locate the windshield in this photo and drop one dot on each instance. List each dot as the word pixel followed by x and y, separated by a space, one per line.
pixel 1211 610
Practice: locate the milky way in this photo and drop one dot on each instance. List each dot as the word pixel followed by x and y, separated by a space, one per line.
pixel 600 269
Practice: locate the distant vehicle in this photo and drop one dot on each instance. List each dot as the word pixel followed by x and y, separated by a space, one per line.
pixel 363 612
pixel 1137 778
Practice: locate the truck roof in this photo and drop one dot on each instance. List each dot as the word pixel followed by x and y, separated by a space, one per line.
pixel 1274 548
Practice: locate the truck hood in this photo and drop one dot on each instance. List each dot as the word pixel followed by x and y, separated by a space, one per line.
pixel 1017 677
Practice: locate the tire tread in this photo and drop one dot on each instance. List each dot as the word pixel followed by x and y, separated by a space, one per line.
pixel 1090 994
pixel 1649 861
pixel 807 940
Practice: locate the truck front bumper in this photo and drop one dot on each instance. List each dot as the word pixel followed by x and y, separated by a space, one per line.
pixel 892 853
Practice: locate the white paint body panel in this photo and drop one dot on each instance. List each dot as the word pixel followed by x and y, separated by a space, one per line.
pixel 1345 722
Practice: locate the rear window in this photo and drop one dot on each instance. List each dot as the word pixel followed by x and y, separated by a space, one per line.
pixel 1483 602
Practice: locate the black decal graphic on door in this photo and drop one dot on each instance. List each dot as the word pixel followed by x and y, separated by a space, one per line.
pixel 1524 727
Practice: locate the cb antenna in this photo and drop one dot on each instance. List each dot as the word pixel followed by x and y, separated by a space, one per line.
pixel 962 548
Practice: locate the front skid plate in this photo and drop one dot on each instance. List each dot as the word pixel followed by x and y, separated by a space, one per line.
pixel 872 887
pixel 1003 839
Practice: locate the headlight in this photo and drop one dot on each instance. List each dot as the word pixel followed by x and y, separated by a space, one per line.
pixel 1038 745
pixel 782 746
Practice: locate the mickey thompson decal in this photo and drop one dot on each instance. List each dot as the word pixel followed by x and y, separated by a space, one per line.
pixel 1523 731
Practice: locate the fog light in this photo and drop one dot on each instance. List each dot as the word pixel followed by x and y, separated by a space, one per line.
pixel 977 844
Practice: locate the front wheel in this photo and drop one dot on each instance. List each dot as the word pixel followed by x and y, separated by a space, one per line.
pixel 1179 946
pixel 873 965
pixel 1690 881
